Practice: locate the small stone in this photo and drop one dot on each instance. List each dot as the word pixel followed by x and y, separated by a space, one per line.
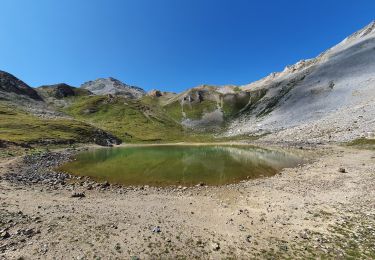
pixel 78 195
pixel 156 229
pixel 284 247
pixel 4 235
pixel 117 247
pixel 241 227
pixel 105 184
pixel 215 246
pixel 304 234
pixel 28 232
pixel 199 243
pixel 248 238
pixel 114 226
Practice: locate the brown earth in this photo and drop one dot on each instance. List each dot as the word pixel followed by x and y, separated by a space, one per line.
pixel 312 211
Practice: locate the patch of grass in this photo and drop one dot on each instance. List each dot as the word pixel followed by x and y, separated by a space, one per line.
pixel 359 238
pixel 196 111
pixel 255 97
pixel 174 110
pixel 233 104
pixel 352 238
pixel 363 143
pixel 130 120
pixel 20 127
pixel 274 101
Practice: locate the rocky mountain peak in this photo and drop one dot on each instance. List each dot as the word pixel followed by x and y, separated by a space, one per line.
pixel 11 84
pixel 155 93
pixel 370 28
pixel 103 86
pixel 368 31
pixel 61 90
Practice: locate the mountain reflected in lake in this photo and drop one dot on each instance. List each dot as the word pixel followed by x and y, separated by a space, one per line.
pixel 187 165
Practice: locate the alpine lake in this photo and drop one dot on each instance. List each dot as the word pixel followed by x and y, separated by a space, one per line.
pixel 185 165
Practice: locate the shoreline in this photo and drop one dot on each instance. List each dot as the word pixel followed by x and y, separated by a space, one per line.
pixel 303 207
pixel 57 157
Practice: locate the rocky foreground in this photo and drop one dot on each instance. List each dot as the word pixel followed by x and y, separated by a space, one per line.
pixel 322 209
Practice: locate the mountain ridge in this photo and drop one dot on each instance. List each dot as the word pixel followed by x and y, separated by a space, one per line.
pixel 11 84
pixel 320 97
pixel 308 92
pixel 113 86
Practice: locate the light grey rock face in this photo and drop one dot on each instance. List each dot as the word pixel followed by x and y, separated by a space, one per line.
pixel 113 86
pixel 318 97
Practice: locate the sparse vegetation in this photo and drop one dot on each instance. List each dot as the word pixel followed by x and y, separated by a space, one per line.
pixel 196 111
pixel 234 104
pixel 364 142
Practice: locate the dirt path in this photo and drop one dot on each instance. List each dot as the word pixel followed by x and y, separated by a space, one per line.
pixel 313 210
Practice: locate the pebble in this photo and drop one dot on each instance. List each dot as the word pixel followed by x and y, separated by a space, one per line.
pixel 156 229
pixel 78 195
pixel 215 246
pixel 303 234
pixel 284 247
pixel 4 235
pixel 105 184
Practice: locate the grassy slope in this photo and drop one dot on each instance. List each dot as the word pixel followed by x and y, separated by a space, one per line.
pixel 20 127
pixel 230 105
pixel 131 120
pixel 363 143
pixel 145 120
pixel 193 111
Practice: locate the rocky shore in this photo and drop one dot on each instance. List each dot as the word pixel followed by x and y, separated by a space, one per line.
pixel 315 210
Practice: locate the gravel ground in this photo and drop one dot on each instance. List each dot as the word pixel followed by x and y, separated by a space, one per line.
pixel 302 212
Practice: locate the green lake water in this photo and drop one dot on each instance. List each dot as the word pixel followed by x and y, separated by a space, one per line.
pixel 184 165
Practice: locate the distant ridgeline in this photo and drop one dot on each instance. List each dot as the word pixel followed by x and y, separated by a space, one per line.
pixel 107 111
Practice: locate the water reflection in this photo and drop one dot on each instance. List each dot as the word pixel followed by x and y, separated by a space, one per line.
pixel 180 165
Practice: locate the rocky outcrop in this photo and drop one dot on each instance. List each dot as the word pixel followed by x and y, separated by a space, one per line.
pixel 11 84
pixel 155 93
pixel 60 91
pixel 113 86
pixel 209 107
pixel 103 138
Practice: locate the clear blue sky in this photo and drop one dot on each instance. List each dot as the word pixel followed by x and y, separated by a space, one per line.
pixel 169 44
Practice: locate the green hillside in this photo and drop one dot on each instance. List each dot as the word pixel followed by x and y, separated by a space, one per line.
pixel 130 120
pixel 20 127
